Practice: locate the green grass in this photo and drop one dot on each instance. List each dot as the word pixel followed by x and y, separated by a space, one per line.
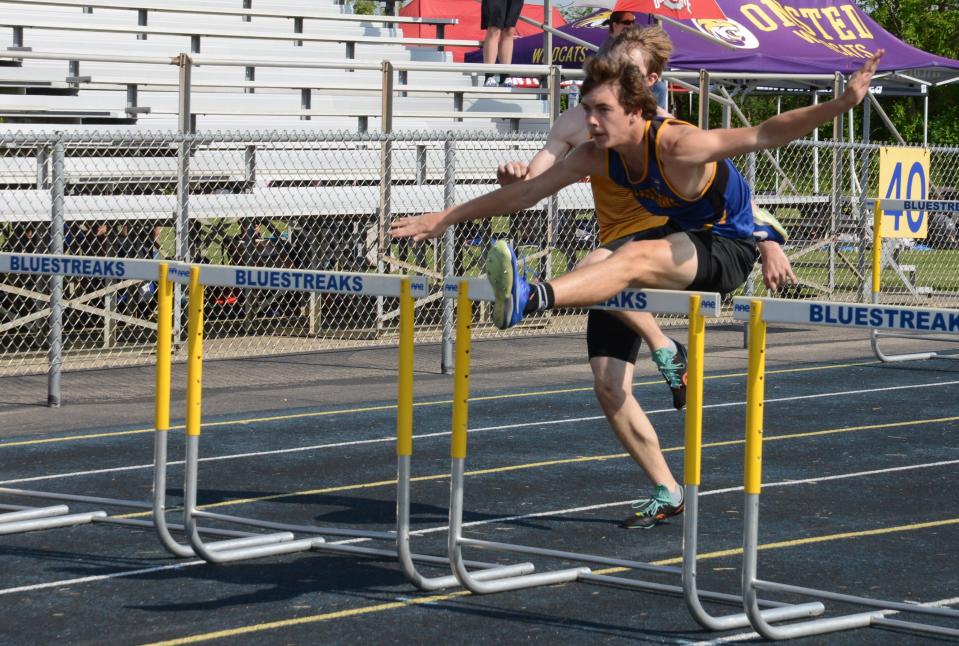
pixel 938 269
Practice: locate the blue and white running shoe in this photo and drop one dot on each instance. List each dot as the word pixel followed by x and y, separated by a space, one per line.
pixel 510 289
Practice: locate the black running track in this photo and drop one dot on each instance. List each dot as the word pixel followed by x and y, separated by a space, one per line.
pixel 861 468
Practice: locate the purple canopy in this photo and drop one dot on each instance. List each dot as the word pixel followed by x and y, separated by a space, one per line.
pixel 792 37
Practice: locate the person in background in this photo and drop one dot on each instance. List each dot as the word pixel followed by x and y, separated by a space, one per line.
pixel 498 18
pixel 617 22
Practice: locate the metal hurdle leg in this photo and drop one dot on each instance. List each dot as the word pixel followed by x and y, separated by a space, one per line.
pixel 228 550
pixel 404 451
pixel 464 325
pixel 162 426
pixel 691 476
pixel 753 478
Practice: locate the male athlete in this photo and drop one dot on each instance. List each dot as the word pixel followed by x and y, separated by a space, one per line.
pixel 674 170
pixel 613 339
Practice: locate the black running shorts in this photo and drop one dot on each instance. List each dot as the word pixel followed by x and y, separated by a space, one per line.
pixel 500 13
pixel 723 263
pixel 607 335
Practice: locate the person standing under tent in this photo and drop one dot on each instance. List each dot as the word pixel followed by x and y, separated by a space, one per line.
pixel 498 18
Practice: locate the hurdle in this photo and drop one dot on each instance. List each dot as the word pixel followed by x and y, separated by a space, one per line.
pixel 20 518
pixel 878 207
pixel 283 540
pixel 26 519
pixel 759 312
pixel 698 306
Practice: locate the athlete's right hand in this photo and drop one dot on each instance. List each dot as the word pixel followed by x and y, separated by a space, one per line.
pixel 511 172
pixel 419 227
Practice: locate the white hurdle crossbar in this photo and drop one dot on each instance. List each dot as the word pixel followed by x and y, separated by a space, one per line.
pixel 697 306
pixel 758 312
pixel 878 208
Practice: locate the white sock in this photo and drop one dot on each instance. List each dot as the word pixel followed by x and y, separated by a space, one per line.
pixel 677 495
pixel 670 344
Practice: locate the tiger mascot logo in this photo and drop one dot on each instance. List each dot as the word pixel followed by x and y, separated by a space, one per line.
pixel 729 31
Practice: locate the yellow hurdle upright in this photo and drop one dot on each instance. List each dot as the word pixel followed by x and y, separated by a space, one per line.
pixel 696 346
pixel 775 310
pixel 461 375
pixel 404 395
pixel 755 395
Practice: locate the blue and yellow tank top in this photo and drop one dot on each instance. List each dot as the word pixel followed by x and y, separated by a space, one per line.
pixel 617 213
pixel 723 205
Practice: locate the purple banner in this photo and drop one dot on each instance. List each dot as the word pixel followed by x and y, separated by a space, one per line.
pixel 767 36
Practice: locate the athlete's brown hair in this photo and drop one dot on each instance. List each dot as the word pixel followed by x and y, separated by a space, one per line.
pixel 632 89
pixel 653 42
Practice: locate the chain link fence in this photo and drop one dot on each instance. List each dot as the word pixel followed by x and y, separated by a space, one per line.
pixel 323 201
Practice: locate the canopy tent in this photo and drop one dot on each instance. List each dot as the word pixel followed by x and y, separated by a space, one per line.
pixel 468 14
pixel 771 37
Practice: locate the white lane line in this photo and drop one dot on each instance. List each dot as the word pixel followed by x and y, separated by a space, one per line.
pixel 333 445
pixel 741 637
pixel 99 577
pixel 432 530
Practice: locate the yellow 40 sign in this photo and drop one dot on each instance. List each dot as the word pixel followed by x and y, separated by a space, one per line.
pixel 904 175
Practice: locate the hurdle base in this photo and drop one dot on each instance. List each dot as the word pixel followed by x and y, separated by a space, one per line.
pixel 49 522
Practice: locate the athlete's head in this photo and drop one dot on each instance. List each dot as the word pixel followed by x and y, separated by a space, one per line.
pixel 616 99
pixel 625 80
pixel 648 47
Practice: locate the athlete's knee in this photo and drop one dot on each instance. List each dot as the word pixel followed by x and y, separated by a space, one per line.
pixel 609 391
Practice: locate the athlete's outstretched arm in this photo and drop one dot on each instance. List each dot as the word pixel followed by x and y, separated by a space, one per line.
pixel 567 132
pixel 693 146
pixel 508 199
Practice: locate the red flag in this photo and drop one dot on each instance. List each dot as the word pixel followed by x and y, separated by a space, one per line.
pixel 675 9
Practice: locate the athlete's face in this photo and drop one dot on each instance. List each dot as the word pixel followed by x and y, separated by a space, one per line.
pixel 608 123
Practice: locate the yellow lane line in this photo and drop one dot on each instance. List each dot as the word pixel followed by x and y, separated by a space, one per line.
pixel 367 409
pixel 550 463
pixel 406 603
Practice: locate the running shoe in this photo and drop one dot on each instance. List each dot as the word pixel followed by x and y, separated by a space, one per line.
pixel 510 289
pixel 672 365
pixel 767 227
pixel 653 510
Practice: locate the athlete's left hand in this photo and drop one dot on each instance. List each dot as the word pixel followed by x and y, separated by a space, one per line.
pixel 858 84
pixel 777 270
pixel 419 227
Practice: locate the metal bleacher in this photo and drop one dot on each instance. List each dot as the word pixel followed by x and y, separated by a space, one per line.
pixel 276 65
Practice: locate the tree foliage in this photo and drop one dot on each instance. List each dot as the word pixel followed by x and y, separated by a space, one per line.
pixel 933 27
